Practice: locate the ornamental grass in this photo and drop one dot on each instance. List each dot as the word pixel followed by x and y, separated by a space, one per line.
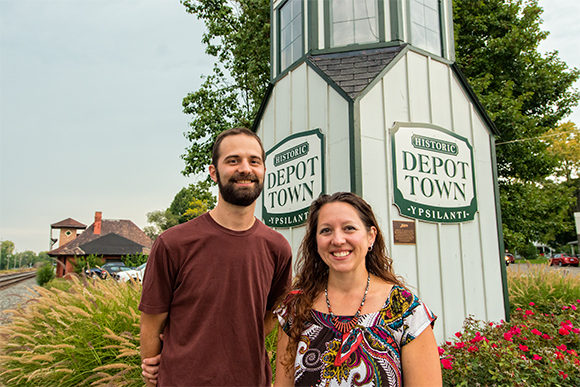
pixel 87 335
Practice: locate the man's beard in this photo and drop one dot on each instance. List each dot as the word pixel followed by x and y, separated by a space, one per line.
pixel 242 197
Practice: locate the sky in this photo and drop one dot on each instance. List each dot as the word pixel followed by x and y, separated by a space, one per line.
pixel 90 107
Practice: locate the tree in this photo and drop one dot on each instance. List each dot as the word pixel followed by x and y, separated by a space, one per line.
pixel 564 145
pixel 526 93
pixel 187 204
pixel 6 253
pixel 238 35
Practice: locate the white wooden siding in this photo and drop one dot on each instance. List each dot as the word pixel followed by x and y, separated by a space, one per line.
pixel 454 268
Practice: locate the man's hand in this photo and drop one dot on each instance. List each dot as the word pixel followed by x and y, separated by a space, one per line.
pixel 150 367
pixel 151 335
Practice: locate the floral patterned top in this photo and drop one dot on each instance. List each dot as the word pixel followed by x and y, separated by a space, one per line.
pixel 368 355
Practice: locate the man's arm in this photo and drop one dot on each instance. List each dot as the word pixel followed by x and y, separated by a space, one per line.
pixel 152 326
pixel 269 322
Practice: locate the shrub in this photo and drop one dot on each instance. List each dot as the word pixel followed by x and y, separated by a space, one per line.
pixel 86 336
pixel 86 262
pixel 542 337
pixel 534 349
pixel 134 260
pixel 44 274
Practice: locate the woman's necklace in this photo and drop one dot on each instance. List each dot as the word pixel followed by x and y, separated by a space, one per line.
pixel 344 327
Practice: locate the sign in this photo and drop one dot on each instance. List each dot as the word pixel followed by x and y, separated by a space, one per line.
pixel 404 233
pixel 433 174
pixel 294 178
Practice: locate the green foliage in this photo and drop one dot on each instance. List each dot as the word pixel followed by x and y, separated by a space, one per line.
pixel 187 204
pixel 134 260
pixel 516 353
pixel 546 287
pixel 6 254
pixel 83 263
pixel 238 35
pixel 44 274
pixel 59 283
pixel 86 336
pixel 534 212
pixel 526 94
pixel 542 338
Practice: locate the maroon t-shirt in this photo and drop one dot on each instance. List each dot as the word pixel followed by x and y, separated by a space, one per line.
pixel 216 284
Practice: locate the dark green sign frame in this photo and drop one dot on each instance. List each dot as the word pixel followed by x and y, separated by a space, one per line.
pixel 426 212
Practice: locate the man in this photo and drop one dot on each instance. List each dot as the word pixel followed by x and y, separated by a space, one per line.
pixel 211 283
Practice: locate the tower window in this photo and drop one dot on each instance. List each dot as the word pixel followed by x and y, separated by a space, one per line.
pixel 353 21
pixel 426 25
pixel 290 33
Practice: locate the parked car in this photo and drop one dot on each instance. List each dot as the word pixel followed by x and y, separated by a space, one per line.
pixel 104 271
pixel 509 258
pixel 135 274
pixel 563 260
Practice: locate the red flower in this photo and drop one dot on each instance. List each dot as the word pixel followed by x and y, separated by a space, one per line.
pixel 563 331
pixel 508 336
pixel 448 342
pixel 494 345
pixel 518 308
pixel 529 313
pixel 458 335
pixel 537 357
pixel 576 330
pixel 546 336
pixel 562 347
pixel 441 351
pixel 460 345
pixel 536 332
pixel 572 352
pixel 532 304
pixel 559 355
pixel 524 348
pixel 491 324
pixel 565 307
pixel 564 375
pixel 447 364
pixel 573 307
pixel 472 348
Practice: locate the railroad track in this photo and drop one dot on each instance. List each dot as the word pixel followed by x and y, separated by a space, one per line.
pixel 7 280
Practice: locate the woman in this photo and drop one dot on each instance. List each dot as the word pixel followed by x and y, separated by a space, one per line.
pixel 350 320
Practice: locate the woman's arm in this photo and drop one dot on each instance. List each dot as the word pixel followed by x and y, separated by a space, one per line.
pixel 282 378
pixel 420 361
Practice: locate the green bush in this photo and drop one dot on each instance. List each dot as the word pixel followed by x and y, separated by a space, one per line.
pixel 86 336
pixel 86 262
pixel 534 349
pixel 530 251
pixel 134 260
pixel 542 337
pixel 44 274
pixel 58 283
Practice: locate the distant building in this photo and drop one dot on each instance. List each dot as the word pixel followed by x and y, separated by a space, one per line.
pixel 111 239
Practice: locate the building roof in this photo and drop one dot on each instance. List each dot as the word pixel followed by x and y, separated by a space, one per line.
pixel 354 70
pixel 122 228
pixel 112 244
pixel 68 223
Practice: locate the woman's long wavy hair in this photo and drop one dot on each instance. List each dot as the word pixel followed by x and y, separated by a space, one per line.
pixel 312 272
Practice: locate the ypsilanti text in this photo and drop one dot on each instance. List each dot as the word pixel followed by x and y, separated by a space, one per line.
pixel 287 220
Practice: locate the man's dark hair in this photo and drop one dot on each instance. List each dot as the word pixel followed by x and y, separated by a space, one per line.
pixel 215 154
